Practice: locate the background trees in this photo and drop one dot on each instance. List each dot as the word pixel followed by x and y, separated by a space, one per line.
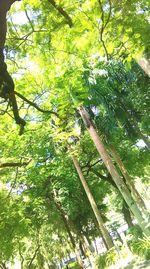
pixel 64 57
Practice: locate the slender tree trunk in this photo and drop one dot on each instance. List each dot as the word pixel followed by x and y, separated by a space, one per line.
pixel 134 125
pixel 125 209
pixel 132 120
pixel 127 177
pixel 97 213
pixel 104 241
pixel 96 248
pixel 34 257
pixel 137 129
pixel 145 65
pixel 82 249
pixel 112 170
pixel 127 215
pixel 62 213
pixel 88 251
pixel 40 260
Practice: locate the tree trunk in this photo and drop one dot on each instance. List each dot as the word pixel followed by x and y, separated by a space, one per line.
pixel 40 260
pixel 134 125
pixel 145 65
pixel 97 213
pixel 127 177
pixel 132 120
pixel 62 213
pixel 112 170
pixel 127 214
pixel 88 252
pixel 82 249
pixel 34 257
pixel 125 208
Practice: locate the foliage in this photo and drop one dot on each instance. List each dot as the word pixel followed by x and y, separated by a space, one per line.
pixel 107 259
pixel 56 69
pixel 141 247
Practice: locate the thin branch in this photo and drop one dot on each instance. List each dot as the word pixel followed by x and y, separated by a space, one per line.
pixel 62 12
pixel 107 178
pixel 32 26
pixel 35 253
pixel 35 105
pixel 104 24
pixel 109 14
pixel 89 18
pixel 21 257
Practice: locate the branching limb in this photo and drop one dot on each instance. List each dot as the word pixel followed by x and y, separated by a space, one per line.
pixel 104 24
pixel 35 105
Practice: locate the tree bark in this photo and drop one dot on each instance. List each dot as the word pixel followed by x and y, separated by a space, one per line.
pixel 96 211
pixel 125 208
pixel 72 240
pixel 145 65
pixel 88 252
pixel 127 177
pixel 112 170
pixel 126 214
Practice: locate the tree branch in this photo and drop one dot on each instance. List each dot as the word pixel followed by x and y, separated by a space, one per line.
pixel 11 164
pixel 35 105
pixel 104 24
pixel 35 253
pixel 62 12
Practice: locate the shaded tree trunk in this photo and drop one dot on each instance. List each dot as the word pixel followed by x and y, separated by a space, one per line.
pixel 125 208
pixel 133 122
pixel 96 211
pixel 112 170
pixel 135 126
pixel 88 251
pixel 127 215
pixel 127 177
pixel 72 240
pixel 82 249
pixel 40 260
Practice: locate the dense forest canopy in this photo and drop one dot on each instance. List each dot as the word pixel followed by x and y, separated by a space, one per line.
pixel 75 169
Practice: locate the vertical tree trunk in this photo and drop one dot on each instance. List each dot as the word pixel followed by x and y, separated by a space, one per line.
pixel 132 120
pixel 127 214
pixel 88 252
pixel 40 260
pixel 112 170
pixel 129 182
pixel 125 207
pixel 102 227
pixel 72 240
